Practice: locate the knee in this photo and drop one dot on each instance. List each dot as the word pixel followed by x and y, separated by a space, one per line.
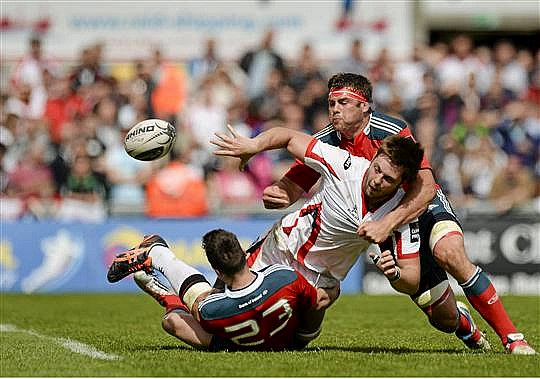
pixel 168 324
pixel 172 324
pixel 441 310
pixel 449 253
pixel 327 296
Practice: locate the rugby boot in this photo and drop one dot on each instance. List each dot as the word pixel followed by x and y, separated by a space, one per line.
pixel 475 339
pixel 516 344
pixel 135 259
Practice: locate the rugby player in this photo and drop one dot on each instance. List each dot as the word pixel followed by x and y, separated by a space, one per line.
pixel 356 128
pixel 258 310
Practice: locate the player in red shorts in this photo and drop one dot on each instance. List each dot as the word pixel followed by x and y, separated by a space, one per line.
pixel 359 130
pixel 258 310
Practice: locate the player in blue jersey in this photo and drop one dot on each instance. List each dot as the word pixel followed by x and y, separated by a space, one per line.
pixel 261 310
pixel 358 129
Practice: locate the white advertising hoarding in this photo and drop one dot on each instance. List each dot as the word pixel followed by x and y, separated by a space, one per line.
pixel 131 29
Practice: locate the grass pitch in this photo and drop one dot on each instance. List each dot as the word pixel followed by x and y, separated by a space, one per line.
pixel 117 335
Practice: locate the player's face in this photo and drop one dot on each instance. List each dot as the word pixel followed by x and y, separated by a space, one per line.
pixel 347 115
pixel 382 178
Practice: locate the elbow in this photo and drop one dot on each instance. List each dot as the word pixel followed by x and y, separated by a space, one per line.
pixel 413 288
pixel 408 288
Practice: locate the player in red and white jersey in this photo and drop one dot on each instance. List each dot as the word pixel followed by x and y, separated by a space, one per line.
pixel 258 310
pixel 355 127
pixel 321 239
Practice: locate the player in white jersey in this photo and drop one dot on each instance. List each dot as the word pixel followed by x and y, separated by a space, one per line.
pixel 320 240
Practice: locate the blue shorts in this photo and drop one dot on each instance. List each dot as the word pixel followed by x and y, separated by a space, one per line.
pixel 439 212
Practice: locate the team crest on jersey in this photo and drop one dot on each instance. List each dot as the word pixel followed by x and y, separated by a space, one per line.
pixel 415 231
pixel 347 162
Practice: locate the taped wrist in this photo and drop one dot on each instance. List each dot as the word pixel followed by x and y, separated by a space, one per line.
pixel 396 276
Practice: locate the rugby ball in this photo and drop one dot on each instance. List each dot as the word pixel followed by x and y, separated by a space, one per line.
pixel 150 139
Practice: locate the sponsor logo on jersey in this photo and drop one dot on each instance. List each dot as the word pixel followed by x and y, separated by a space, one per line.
pixel 415 231
pixel 253 299
pixel 347 162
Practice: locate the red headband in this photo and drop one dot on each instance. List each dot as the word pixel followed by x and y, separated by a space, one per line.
pixel 349 92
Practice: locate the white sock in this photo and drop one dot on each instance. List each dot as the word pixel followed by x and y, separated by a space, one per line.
pixel 175 270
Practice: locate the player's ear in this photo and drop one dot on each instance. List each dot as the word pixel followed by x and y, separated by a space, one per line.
pixel 364 106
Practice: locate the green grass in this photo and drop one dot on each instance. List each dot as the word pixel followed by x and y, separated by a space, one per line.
pixel 362 336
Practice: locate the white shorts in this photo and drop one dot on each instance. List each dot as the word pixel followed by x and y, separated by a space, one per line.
pixel 273 250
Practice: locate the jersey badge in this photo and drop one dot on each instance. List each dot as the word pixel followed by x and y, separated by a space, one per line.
pixel 347 162
pixel 415 231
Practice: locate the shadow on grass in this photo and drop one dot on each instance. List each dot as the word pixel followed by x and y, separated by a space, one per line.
pixel 384 350
pixel 352 349
pixel 160 347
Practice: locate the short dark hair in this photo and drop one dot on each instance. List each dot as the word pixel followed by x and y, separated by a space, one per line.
pixel 351 80
pixel 403 152
pixel 224 252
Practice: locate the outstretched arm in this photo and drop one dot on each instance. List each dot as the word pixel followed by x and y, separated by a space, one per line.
pixel 236 145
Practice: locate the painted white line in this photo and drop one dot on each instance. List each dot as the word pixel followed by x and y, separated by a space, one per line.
pixel 75 346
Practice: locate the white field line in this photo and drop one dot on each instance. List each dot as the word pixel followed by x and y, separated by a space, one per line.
pixel 75 346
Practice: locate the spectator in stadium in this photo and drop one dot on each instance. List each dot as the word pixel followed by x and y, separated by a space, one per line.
pixel 32 181
pixel 29 73
pixel 513 186
pixel 83 194
pixel 206 64
pixel 259 62
pixel 455 68
pixel 358 129
pixel 230 189
pixel 506 68
pixel 354 61
pixel 305 68
pixel 176 190
pixel 202 118
pixel 481 162
pixel 63 105
pixel 194 311
pixel 90 69
pixel 518 132
pixel 170 92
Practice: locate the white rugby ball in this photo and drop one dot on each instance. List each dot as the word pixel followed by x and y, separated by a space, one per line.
pixel 150 139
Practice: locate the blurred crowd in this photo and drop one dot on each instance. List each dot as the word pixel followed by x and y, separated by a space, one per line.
pixel 476 110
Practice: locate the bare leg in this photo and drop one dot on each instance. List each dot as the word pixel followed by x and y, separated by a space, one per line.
pixel 183 326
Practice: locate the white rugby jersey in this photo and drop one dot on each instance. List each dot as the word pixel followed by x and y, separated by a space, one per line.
pixel 322 234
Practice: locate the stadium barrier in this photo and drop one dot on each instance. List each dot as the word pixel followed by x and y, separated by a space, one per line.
pixel 57 257
pixel 506 247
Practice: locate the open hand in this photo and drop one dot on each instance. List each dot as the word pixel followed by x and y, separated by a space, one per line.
pixel 235 145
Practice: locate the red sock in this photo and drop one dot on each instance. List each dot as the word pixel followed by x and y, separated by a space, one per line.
pixel 172 302
pixel 464 326
pixel 483 297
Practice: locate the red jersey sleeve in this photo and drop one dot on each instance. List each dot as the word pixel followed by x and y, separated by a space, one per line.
pixel 406 132
pixel 303 175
